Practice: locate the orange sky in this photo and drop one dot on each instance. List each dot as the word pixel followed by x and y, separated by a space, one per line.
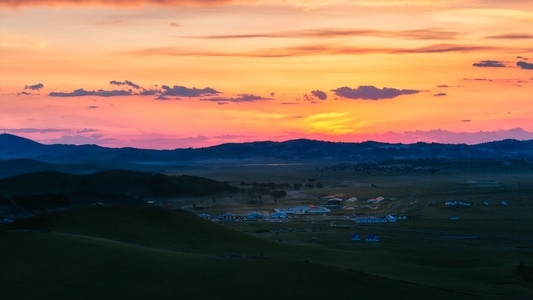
pixel 185 73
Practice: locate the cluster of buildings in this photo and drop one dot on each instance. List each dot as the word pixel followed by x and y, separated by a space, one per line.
pixel 457 204
pixel 279 213
pixel 231 216
pixel 467 204
pixel 283 213
pixel 348 204
pixel 303 209
pixel 387 219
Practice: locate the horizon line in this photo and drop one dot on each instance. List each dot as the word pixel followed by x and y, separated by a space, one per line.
pixel 271 141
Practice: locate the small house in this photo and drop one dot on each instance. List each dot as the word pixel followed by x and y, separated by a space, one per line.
pixel 372 238
pixel 451 203
pixel 375 200
pixel 317 210
pixel 205 216
pixel 228 216
pixel 278 215
pixel 367 220
pixel 335 203
pixel 254 216
pixel 463 204
pixel 391 218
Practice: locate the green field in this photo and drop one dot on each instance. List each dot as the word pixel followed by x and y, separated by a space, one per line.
pixel 105 252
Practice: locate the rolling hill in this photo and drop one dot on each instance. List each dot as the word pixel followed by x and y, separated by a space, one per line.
pixel 13 167
pixel 48 190
pixel 14 147
pixel 108 252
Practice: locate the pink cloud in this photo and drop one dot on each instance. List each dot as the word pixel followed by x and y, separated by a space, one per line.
pixel 113 3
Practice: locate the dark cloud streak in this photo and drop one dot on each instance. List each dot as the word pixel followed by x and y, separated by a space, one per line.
pixel 126 82
pixel 112 3
pixel 241 98
pixel 37 86
pixel 512 36
pixel 420 34
pixel 81 93
pixel 369 92
pixel 182 91
pixel 489 64
pixel 524 65
pixel 36 130
pixel 313 50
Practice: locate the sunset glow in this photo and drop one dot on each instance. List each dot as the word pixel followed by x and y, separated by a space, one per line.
pixel 185 73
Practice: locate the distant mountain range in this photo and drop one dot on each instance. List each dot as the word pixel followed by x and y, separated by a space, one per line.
pixel 15 147
pixel 302 150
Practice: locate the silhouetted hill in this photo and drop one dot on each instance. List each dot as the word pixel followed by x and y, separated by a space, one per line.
pixel 13 167
pixel 13 145
pixel 36 192
pixel 289 151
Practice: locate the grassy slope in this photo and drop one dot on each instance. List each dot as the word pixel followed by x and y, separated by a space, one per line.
pixel 129 183
pixel 144 252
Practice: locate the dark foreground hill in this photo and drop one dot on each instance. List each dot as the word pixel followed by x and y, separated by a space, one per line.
pixel 141 252
pixel 13 167
pixel 47 190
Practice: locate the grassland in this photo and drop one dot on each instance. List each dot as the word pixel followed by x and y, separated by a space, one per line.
pixel 134 252
pixel 141 252
pixel 478 253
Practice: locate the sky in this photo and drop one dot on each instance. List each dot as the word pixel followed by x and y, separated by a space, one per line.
pixel 165 74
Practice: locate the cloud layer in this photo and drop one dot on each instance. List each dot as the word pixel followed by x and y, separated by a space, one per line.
pixel 369 92
pixel 176 90
pixel 418 34
pixel 239 99
pixel 166 92
pixel 124 3
pixel 181 91
pixel 316 49
pixel 489 64
pixel 101 93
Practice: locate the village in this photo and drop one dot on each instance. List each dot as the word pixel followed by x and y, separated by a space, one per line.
pixel 334 212
pixel 349 213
